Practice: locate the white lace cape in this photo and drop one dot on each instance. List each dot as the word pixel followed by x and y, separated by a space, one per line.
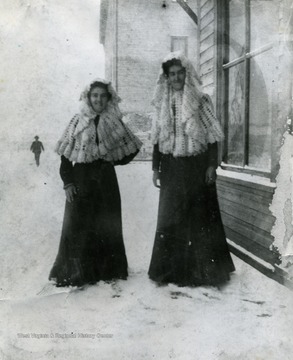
pixel 198 120
pixel 78 143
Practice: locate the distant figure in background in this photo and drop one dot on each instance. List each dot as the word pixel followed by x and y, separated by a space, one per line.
pixel 37 147
pixel 190 247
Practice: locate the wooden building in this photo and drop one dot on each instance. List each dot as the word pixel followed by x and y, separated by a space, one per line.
pixel 243 51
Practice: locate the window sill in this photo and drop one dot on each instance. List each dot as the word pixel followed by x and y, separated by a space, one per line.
pixel 246 170
pixel 242 177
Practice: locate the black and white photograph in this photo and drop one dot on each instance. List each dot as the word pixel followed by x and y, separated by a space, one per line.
pixel 146 184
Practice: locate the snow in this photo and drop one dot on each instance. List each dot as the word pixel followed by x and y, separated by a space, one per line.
pixel 250 318
pixel 49 50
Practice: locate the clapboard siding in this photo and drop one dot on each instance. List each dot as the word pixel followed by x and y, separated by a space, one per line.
pixel 253 247
pixel 207 67
pixel 261 190
pixel 206 7
pixel 203 2
pixel 206 49
pixel 207 43
pixel 238 197
pixel 206 55
pixel 208 79
pixel 246 216
pixel 249 232
pixel 207 31
pixel 208 18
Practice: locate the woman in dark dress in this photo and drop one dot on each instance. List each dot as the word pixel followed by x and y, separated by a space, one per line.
pixel 91 246
pixel 190 247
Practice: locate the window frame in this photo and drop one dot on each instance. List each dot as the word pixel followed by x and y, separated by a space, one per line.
pixel 222 65
pixel 185 38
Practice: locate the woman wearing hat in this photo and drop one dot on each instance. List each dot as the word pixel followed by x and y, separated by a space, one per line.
pixel 190 247
pixel 91 246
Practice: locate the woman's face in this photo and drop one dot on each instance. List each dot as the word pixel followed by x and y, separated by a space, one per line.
pixel 176 77
pixel 99 98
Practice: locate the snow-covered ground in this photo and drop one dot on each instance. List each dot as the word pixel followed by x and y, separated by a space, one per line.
pixel 250 318
pixel 49 50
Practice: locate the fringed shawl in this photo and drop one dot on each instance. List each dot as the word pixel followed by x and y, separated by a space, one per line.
pixel 115 140
pixel 194 124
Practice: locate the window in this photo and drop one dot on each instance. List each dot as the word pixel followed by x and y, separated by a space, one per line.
pixel 179 43
pixel 249 72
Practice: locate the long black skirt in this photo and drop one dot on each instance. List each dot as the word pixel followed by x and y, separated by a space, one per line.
pixel 190 247
pixel 91 245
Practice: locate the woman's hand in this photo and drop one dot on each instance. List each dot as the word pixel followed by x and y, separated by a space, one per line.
pixel 211 175
pixel 70 193
pixel 156 178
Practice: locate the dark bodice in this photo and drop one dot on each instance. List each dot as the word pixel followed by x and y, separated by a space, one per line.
pixel 210 156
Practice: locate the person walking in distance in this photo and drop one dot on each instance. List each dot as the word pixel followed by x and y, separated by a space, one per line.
pixel 37 147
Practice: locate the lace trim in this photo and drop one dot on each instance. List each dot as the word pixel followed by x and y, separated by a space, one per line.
pixel 194 125
pixel 116 140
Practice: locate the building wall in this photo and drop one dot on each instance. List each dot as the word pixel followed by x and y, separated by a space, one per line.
pixel 245 213
pixel 108 37
pixel 245 200
pixel 207 45
pixel 244 205
pixel 144 29
pixel 282 202
pixel 138 36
